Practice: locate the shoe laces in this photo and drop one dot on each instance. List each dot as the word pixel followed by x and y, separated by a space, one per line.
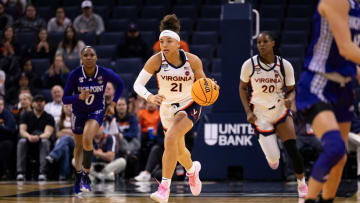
pixel 162 188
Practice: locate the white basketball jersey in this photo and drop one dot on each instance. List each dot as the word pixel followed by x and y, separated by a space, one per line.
pixel 175 82
pixel 266 84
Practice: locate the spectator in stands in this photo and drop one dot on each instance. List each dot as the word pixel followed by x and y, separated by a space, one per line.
pixel 19 4
pixel 35 127
pixel 136 103
pixel 88 21
pixel 183 45
pixel 24 105
pixel 128 129
pixel 30 22
pixel 35 82
pixel 149 119
pixel 5 19
pixel 54 108
pixel 56 74
pixel 13 92
pixel 133 44
pixel 109 94
pixel 59 22
pixel 8 46
pixel 7 140
pixel 64 146
pixel 71 46
pixel 43 47
pixel 105 165
pixel 2 83
pixel 9 52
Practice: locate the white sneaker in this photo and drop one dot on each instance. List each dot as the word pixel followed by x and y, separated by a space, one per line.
pixel 143 176
pixel 42 177
pixel 20 177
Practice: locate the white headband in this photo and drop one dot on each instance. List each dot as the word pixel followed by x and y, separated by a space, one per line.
pixel 169 33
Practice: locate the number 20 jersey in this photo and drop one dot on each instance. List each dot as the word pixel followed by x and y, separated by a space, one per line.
pixel 323 55
pixel 175 83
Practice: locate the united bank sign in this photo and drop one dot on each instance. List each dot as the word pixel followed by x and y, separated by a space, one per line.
pixel 228 134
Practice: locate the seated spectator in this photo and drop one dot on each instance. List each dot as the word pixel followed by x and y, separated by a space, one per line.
pixel 149 119
pixel 128 130
pixel 105 165
pixel 59 22
pixel 9 47
pixel 64 146
pixel 30 22
pixel 12 92
pixel 109 94
pixel 35 82
pixel 7 141
pixel 71 46
pixel 136 103
pixel 133 44
pixel 43 47
pixel 54 108
pixel 88 21
pixel 24 105
pixel 5 19
pixel 183 45
pixel 2 83
pixel 19 4
pixel 35 127
pixel 56 74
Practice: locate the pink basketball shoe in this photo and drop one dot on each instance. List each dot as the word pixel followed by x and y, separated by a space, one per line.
pixel 194 180
pixel 162 194
pixel 302 190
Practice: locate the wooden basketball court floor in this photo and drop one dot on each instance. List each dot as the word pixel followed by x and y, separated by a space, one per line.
pixel 222 192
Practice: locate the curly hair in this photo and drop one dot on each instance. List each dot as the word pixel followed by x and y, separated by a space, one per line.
pixel 170 22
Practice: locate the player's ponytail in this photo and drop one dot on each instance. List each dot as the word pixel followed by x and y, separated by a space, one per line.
pixel 170 22
pixel 274 37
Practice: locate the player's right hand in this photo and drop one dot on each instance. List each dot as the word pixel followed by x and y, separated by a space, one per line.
pixel 33 138
pixel 251 118
pixel 156 99
pixel 84 94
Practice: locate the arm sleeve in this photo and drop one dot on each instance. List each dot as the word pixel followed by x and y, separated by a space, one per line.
pixel 289 73
pixel 117 82
pixel 140 82
pixel 246 71
pixel 133 129
pixel 70 86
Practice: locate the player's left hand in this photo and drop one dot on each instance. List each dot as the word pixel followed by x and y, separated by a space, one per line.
pixel 288 103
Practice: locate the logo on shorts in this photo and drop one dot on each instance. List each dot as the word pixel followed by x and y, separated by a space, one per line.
pixel 193 114
pixel 228 134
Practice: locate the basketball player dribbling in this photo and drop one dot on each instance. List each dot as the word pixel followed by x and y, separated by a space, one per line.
pixel 268 107
pixel 325 94
pixel 175 71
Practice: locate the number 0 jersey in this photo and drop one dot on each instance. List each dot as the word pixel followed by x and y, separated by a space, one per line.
pixel 323 55
pixel 266 81
pixel 78 81
pixel 175 82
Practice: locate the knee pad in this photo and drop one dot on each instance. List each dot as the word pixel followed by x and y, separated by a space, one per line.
pixel 293 152
pixel 333 151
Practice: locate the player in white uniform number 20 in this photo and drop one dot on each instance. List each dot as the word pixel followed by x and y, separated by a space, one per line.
pixel 175 71
pixel 267 108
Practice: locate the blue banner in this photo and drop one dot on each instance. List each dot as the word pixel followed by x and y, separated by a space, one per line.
pixel 228 140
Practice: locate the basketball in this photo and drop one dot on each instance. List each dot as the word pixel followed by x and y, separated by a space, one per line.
pixel 205 91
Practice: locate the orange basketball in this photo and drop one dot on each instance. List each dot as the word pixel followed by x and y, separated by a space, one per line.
pixel 205 91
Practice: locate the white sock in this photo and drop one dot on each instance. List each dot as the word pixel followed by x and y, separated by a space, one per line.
pixel 301 181
pixel 168 181
pixel 191 170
